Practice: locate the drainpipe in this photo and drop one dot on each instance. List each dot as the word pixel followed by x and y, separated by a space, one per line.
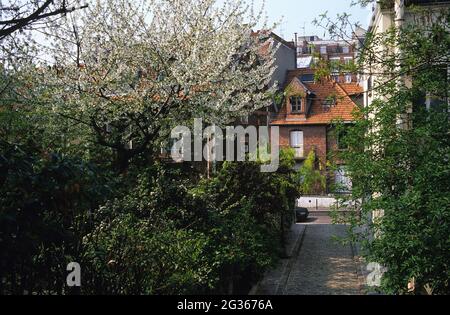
pixel 399 13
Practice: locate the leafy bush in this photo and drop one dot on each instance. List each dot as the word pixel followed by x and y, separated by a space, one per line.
pixel 129 255
pixel 151 230
pixel 41 197
pixel 250 212
pixel 311 180
pixel 172 236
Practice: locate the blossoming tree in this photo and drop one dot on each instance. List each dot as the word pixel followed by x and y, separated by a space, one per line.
pixel 130 70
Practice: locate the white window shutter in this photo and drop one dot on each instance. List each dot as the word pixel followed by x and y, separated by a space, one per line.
pixel 297 143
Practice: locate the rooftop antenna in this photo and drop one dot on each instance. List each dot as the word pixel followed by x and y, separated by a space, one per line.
pixel 304 29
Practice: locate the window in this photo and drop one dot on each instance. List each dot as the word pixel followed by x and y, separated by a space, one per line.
pixel 307 78
pixel 342 180
pixel 437 100
pixel 296 104
pixel 297 143
pixel 323 49
pixel 340 139
pixel 345 49
pixel 334 63
pixel 304 62
pixel 335 76
pixel 348 78
pixel 348 60
pixel 433 102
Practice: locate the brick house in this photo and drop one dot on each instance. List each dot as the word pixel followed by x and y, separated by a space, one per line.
pixel 306 115
pixel 306 112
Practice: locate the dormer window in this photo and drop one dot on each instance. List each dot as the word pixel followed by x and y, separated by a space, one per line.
pixel 296 104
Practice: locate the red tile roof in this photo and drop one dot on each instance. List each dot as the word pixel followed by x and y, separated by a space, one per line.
pixel 351 88
pixel 318 114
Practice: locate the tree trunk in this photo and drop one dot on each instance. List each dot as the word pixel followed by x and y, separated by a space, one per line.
pixel 122 161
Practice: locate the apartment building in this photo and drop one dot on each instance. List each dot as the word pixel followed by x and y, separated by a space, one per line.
pixel 311 48
pixel 397 13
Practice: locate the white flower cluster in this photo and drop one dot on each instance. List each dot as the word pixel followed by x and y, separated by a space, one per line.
pixel 160 59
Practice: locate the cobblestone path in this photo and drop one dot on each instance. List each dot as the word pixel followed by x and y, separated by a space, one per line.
pixel 319 266
pixel 323 266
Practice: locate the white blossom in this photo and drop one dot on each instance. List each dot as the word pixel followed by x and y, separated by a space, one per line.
pixel 140 57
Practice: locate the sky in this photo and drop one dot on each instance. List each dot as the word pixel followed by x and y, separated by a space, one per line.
pixel 299 14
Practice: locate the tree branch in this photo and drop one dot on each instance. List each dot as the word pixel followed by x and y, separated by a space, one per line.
pixel 39 14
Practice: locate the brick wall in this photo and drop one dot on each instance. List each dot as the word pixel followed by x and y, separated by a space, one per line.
pixel 319 137
pixel 314 136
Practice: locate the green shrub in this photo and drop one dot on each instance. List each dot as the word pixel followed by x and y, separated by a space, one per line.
pixel 129 255
pixel 41 201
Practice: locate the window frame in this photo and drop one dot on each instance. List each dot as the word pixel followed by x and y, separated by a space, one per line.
pixel 335 76
pixel 335 63
pixel 296 104
pixel 300 146
pixel 340 145
pixel 342 180
pixel 347 76
pixel 348 60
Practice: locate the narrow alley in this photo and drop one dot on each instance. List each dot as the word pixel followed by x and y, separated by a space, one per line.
pixel 318 264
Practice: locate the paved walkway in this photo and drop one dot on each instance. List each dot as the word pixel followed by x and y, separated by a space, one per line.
pixel 318 266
